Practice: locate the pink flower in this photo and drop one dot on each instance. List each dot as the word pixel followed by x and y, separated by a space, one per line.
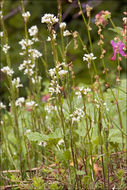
pixel 45 98
pixel 102 18
pixel 117 48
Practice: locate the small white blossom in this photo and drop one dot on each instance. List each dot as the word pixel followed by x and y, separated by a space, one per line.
pixel 77 115
pixel 82 91
pixel 28 71
pixel 52 72
pixel 35 53
pixel 2 106
pixel 31 104
pixel 7 70
pixel 33 30
pixel 49 19
pixel 62 72
pixel 48 39
pixel 89 58
pixel 66 33
pixel 5 48
pixel 62 25
pixel 25 64
pixel 1 34
pixel 42 143
pixel 37 79
pixel 16 82
pixel 49 108
pixel 1 122
pixel 35 39
pixel 26 15
pixel 20 101
pixel 25 43
pixel 28 130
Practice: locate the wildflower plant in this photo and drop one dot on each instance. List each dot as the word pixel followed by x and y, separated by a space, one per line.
pixel 71 136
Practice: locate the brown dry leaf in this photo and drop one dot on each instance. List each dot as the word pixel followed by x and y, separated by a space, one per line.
pixel 97 170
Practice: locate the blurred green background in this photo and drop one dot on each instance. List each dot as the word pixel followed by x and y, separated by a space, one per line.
pixel 15 27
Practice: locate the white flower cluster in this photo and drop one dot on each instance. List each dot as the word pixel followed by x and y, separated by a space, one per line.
pixel 20 101
pixel 49 19
pixel 33 30
pixel 6 47
pixel 62 72
pixel 66 33
pixel 25 43
pixel 7 71
pixel 49 108
pixel 35 53
pixel 16 82
pixel 26 16
pixel 77 115
pixel 82 91
pixel 2 106
pixel 62 25
pixel 49 39
pixel 99 104
pixel 54 87
pixel 31 104
pixel 89 58
pixel 27 66
pixel 36 80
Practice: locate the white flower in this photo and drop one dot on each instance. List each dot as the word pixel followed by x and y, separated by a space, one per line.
pixel 48 39
pixel 26 15
pixel 33 30
pixel 5 48
pixel 19 102
pixel 52 72
pixel 2 106
pixel 66 33
pixel 16 82
pixel 28 130
pixel 49 108
pixel 77 115
pixel 88 57
pixel 62 25
pixel 1 34
pixel 28 71
pixel 31 104
pixel 25 43
pixel 82 91
pixel 35 39
pixel 62 72
pixel 37 79
pixel 35 53
pixel 7 70
pixel 49 19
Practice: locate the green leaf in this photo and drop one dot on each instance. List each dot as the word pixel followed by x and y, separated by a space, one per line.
pixel 36 137
pixel 117 30
pixel 80 172
pixel 56 135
